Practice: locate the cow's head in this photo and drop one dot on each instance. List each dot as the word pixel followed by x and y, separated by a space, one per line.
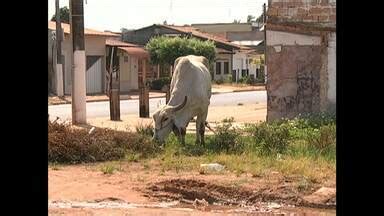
pixel 164 119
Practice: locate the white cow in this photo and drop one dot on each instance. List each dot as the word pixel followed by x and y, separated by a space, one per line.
pixel 190 94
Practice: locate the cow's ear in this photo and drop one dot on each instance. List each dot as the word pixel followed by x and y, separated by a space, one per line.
pixel 206 62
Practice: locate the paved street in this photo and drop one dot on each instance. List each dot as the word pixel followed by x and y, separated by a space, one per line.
pixel 101 109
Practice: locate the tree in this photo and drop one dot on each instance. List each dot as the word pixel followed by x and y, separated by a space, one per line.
pixel 260 19
pixel 64 15
pixel 236 21
pixel 165 50
pixel 250 18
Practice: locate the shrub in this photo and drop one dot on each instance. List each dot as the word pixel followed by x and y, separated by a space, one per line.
pixel 227 137
pixel 70 145
pixel 315 120
pixel 228 79
pixel 158 84
pixel 145 129
pixel 323 139
pixel 219 81
pixel 269 138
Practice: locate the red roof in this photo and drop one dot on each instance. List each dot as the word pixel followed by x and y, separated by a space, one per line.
pixel 136 51
pixel 87 31
pixel 194 31
pixel 112 42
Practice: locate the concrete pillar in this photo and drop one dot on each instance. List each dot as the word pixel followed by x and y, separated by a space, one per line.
pixel 59 80
pixel 79 88
pixel 79 115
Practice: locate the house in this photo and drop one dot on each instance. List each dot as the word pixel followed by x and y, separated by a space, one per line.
pixel 249 37
pixel 224 49
pixel 96 47
pixel 131 58
pixel 244 34
pixel 95 57
pixel 300 57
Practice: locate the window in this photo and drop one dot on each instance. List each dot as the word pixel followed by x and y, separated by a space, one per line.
pixel 218 67
pixel 125 58
pixel 226 67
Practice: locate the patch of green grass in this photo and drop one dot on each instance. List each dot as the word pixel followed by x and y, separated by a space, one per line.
pixel 110 167
pixel 54 166
pixel 132 157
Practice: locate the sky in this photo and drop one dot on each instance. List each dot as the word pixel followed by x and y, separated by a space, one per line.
pixel 133 14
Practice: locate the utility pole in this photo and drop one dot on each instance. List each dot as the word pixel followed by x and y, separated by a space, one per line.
pixel 265 41
pixel 59 65
pixel 79 115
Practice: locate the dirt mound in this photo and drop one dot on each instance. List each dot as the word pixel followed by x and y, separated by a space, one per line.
pixel 189 190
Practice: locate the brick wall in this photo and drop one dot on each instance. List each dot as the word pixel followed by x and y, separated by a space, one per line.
pixel 308 11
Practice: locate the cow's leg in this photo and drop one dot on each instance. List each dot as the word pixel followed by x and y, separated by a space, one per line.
pixel 183 131
pixel 180 134
pixel 200 128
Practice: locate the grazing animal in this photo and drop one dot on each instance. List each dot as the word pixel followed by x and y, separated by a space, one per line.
pixel 190 94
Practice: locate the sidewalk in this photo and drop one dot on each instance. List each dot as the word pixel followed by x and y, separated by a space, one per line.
pixel 54 100
pixel 134 95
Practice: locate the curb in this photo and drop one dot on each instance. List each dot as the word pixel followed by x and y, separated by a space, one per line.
pixel 101 100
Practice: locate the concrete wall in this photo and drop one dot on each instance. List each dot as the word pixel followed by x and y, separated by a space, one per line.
pixel 310 11
pixel 301 74
pixel 331 93
pixel 294 68
pixel 301 58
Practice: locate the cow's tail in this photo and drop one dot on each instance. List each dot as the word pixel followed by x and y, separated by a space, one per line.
pixel 209 127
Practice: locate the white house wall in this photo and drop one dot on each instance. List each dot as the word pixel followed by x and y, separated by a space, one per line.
pixel 134 73
pixel 220 58
pixel 94 45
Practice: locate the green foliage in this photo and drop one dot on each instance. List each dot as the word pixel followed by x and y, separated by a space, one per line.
pixel 158 84
pixel 165 50
pixel 247 80
pixel 145 129
pixel 64 15
pixel 250 18
pixel 269 138
pixel 227 137
pixel 323 139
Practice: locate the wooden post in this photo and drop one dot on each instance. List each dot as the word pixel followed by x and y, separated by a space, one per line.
pixel 79 115
pixel 168 88
pixel 144 91
pixel 167 93
pixel 114 95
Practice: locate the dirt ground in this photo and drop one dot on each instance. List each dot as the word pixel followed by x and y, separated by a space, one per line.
pixel 138 189
pixel 147 189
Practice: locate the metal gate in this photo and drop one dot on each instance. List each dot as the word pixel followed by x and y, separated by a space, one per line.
pixel 94 75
